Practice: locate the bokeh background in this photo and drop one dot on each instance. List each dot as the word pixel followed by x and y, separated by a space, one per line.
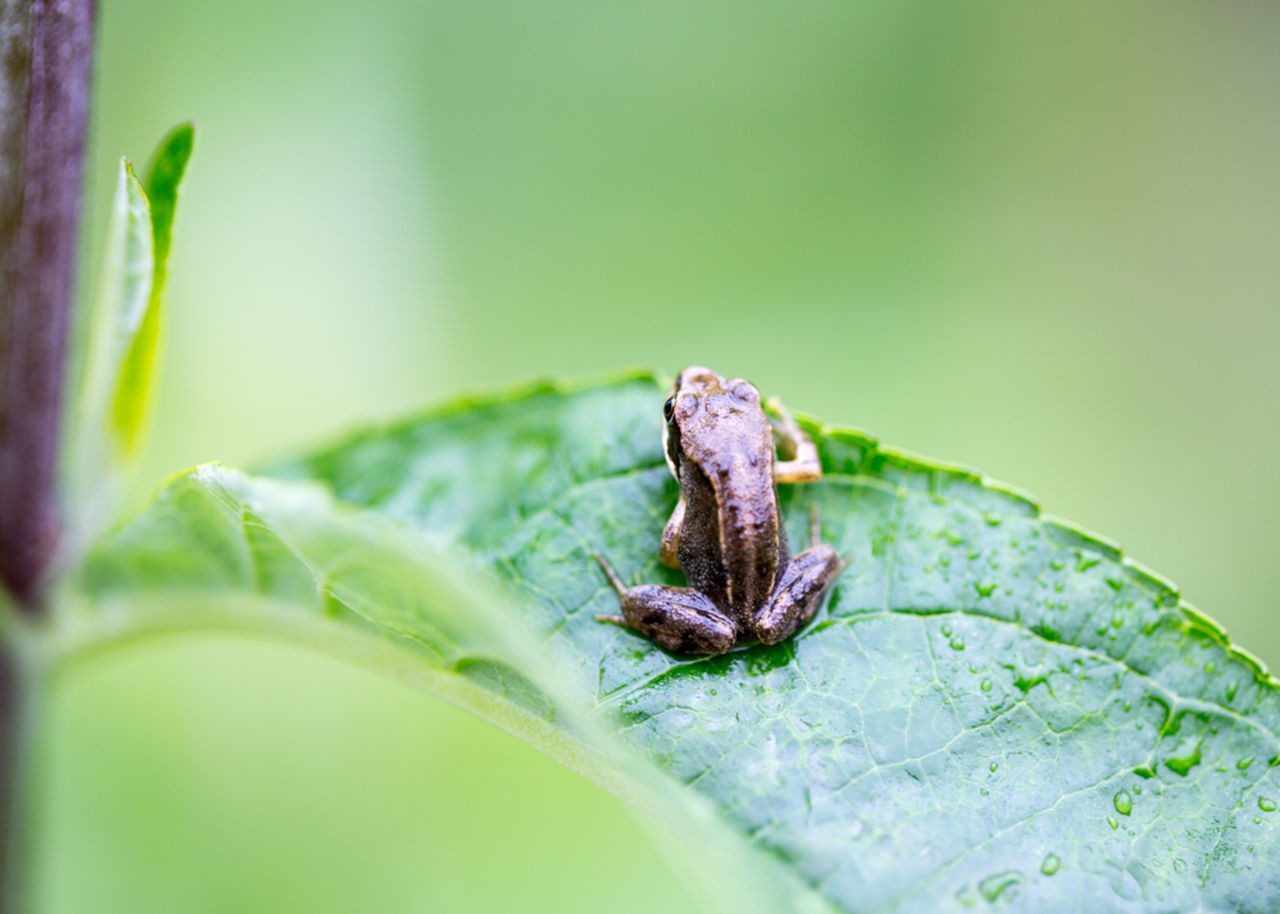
pixel 1040 240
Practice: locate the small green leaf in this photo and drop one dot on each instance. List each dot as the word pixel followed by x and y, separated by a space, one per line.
pixel 123 328
pixel 168 166
pixel 132 396
pixel 119 312
pixel 995 709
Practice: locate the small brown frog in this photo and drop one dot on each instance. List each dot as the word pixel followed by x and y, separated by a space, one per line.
pixel 726 532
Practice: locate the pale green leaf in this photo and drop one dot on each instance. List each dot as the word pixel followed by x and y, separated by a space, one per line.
pixel 994 710
pixel 117 315
pixel 123 329
pixel 132 395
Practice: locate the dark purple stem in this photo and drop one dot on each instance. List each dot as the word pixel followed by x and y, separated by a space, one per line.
pixel 13 812
pixel 45 51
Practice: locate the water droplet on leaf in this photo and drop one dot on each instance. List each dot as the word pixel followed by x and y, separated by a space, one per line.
pixel 1185 757
pixel 999 884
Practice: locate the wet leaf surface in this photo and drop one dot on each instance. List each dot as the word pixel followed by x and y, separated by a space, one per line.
pixel 994 709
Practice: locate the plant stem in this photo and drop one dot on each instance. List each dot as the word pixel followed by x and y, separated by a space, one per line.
pixel 45 62
pixel 45 55
pixel 12 813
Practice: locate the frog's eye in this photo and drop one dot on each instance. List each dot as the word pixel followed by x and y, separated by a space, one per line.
pixel 669 408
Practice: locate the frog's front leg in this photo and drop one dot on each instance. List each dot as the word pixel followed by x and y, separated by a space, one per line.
pixel 678 618
pixel 669 550
pixel 802 463
pixel 798 594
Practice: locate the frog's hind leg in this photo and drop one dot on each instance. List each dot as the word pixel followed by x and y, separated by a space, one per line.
pixel 802 463
pixel 798 595
pixel 678 618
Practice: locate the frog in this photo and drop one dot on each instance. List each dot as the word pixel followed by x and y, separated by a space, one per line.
pixel 726 532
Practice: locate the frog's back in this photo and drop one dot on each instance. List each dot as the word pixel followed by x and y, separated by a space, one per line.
pixel 732 543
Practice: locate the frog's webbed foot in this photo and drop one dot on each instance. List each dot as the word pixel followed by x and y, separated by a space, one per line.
pixel 799 593
pixel 802 463
pixel 679 619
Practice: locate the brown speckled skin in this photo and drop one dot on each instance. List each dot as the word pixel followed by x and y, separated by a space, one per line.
pixel 744 584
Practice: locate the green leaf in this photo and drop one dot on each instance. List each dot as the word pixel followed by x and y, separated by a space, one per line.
pixel 133 390
pixel 118 313
pixel 994 709
pixel 124 323
pixel 221 550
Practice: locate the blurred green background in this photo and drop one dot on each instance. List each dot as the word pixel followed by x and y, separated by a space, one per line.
pixel 1042 241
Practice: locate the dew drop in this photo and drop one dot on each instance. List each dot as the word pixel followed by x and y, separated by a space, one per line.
pixel 1186 757
pixel 946 629
pixel 985 685
pixel 1111 820
pixel 1244 762
pixel 1266 804
pixel 1050 865
pixel 1231 690
pixel 1123 802
pixel 999 884
pixel 993 766
pixel 957 643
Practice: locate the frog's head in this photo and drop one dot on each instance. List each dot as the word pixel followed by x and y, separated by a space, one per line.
pixel 708 417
